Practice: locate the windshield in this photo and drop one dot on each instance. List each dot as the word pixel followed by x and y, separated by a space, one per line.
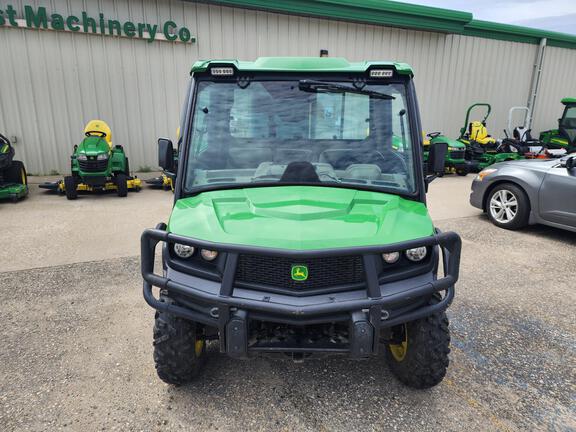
pixel 300 131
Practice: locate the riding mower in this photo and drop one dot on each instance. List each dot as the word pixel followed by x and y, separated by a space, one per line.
pixel 96 165
pixel 13 179
pixel 563 138
pixel 519 138
pixel 483 150
pixel 455 161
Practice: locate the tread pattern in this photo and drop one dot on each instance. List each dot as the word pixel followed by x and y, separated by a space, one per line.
pixel 174 348
pixel 427 359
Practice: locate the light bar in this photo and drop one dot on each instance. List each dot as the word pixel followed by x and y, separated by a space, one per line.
pixel 222 71
pixel 381 73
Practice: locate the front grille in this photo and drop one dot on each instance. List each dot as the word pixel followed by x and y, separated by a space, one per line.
pixel 458 154
pixel 264 271
pixel 93 165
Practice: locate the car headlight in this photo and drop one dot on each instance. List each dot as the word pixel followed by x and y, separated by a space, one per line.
pixel 484 173
pixel 102 156
pixel 82 157
pixel 183 251
pixel 391 257
pixel 416 254
pixel 208 255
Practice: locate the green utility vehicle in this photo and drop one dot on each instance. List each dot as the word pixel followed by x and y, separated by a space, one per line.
pixel 483 150
pixel 565 136
pixel 13 179
pixel 455 157
pixel 299 228
pixel 97 165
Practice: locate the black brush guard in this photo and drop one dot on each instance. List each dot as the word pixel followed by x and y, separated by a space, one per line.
pixel 229 309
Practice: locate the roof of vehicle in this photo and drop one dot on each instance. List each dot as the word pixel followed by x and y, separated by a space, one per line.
pixel 302 64
pixel 568 100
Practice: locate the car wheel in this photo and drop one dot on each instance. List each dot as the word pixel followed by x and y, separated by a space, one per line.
pixel 508 207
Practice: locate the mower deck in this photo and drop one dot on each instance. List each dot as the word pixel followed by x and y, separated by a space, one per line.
pixel 134 183
pixel 160 182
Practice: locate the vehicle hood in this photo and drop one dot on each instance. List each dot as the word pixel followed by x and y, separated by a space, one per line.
pixel 93 146
pixel 538 164
pixel 300 217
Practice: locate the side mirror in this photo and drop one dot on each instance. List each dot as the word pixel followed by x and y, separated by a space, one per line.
pixel 436 161
pixel 165 154
pixel 570 163
pixel 437 158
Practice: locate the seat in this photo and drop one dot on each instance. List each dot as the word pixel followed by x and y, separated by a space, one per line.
pixel 248 157
pixel 99 128
pixel 363 172
pixel 477 132
pixel 340 159
pixel 388 161
pixel 285 156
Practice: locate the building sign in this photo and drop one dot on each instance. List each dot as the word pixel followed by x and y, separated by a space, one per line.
pixel 39 18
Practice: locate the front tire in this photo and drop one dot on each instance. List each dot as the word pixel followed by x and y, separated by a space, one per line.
pixel 420 359
pixel 508 207
pixel 463 172
pixel 70 188
pixel 122 185
pixel 179 348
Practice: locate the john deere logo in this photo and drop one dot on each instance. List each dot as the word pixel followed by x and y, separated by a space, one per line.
pixel 299 272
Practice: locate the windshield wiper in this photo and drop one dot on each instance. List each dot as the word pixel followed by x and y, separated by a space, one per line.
pixel 330 87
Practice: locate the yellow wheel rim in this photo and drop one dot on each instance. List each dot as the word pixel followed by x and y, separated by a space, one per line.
pixel 399 350
pixel 23 174
pixel 199 347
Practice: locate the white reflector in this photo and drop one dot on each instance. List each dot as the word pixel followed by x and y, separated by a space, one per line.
pixel 381 73
pixel 221 71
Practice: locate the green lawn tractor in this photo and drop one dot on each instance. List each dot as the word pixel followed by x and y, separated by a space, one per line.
pixel 97 165
pixel 299 227
pixel 482 149
pixel 455 157
pixel 563 138
pixel 13 179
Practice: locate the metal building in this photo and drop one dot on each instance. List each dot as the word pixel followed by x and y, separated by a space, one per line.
pixel 65 62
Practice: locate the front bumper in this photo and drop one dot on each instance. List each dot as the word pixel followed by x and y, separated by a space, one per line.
pixel 477 192
pixel 229 308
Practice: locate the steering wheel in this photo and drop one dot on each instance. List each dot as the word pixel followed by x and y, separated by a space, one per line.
pixel 433 135
pixel 99 133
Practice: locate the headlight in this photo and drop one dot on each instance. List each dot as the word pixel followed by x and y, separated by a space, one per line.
pixel 82 157
pixel 391 257
pixel 416 254
pixel 208 255
pixel 102 156
pixel 183 251
pixel 453 149
pixel 484 173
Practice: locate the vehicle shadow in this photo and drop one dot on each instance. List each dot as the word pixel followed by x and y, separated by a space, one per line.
pixel 542 231
pixel 331 393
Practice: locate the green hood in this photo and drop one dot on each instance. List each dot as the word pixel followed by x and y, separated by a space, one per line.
pixel 300 217
pixel 93 146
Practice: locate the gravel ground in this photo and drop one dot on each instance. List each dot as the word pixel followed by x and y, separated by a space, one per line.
pixel 77 355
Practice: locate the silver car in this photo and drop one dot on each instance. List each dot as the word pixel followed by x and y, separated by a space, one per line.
pixel 536 191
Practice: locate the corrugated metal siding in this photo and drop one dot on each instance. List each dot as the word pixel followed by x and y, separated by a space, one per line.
pixel 557 82
pixel 58 81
